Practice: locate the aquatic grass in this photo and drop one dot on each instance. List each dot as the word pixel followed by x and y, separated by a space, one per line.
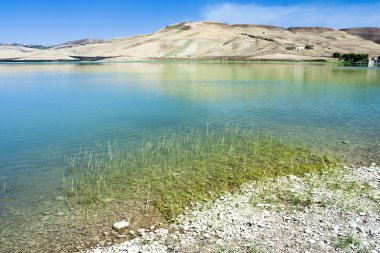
pixel 181 168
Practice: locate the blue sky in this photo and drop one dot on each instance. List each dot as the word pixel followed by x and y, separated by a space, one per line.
pixel 55 21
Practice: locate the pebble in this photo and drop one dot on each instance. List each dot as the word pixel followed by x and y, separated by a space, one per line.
pixel 353 225
pixel 107 200
pixel 120 225
pixel 45 218
pixel 133 249
pixel 60 213
pixel 123 248
pixel 142 232
pixel 205 235
pixel 59 198
pixel 32 243
pixel 260 224
pixel 308 231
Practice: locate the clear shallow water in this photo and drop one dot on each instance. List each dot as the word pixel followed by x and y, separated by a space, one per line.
pixel 49 110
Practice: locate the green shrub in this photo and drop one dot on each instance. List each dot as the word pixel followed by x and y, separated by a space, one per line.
pixel 336 55
pixel 308 47
pixel 351 57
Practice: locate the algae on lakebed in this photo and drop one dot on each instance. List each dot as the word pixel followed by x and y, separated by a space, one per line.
pixel 182 168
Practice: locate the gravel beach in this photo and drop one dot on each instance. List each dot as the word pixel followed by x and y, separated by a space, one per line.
pixel 337 211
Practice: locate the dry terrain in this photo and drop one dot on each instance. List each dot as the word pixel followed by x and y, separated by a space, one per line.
pixel 208 40
pixel 335 212
pixel 369 33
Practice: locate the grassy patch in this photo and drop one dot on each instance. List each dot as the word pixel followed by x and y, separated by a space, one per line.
pixel 347 240
pixel 283 195
pixel 179 169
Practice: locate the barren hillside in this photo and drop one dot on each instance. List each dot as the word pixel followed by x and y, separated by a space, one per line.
pixel 368 33
pixel 205 40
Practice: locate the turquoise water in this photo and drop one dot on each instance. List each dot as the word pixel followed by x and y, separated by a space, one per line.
pixel 50 110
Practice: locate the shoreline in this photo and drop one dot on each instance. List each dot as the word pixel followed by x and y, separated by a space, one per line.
pixel 336 211
pixel 185 60
pixel 211 60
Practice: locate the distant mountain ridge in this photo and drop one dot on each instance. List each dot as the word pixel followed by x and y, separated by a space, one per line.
pixel 22 45
pixel 368 33
pixel 208 40
pixel 67 44
pixel 310 29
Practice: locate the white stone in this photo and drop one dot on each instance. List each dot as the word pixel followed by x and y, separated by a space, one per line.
pixel 353 225
pixel 123 248
pixel 205 235
pixel 133 249
pixel 260 224
pixel 59 198
pixel 120 225
pixel 308 231
pixel 293 177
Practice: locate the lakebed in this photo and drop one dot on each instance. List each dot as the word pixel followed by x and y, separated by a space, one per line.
pixel 54 114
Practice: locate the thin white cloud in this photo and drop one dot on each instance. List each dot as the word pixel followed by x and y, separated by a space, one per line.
pixel 334 16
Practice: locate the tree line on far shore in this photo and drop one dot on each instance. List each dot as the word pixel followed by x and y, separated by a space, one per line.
pixel 351 57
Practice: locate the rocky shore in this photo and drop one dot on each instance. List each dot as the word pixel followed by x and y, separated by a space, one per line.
pixel 337 211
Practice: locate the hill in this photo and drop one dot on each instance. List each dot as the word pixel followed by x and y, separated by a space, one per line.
pixel 368 33
pixel 208 40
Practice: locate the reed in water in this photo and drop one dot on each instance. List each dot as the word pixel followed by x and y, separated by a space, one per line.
pixel 184 167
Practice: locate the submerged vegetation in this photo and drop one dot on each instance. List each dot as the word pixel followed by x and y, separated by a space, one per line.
pixel 181 168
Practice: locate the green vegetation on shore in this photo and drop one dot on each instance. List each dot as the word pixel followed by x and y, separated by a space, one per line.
pixel 351 57
pixel 179 169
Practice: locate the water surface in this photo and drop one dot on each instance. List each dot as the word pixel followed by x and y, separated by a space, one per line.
pixel 49 110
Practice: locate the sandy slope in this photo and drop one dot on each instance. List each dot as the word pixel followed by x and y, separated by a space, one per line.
pixel 205 40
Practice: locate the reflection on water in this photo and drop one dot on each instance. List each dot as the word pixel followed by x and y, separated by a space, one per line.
pixel 48 110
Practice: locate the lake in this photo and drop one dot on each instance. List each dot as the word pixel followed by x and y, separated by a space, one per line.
pixel 50 110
